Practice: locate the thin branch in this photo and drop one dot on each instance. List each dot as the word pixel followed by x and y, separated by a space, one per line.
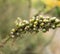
pixel 4 41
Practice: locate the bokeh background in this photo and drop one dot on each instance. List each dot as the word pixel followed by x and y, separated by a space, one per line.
pixel 35 43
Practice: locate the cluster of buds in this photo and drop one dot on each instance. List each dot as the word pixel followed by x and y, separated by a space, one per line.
pixel 35 24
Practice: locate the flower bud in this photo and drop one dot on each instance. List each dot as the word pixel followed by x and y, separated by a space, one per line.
pixel 30 24
pixel 33 19
pixel 35 23
pixel 25 21
pixel 13 30
pixel 57 20
pixel 41 17
pixel 45 20
pixel 42 24
pixel 43 30
pixel 53 26
pixel 17 33
pixel 52 19
pixel 40 21
pixel 27 27
pixel 37 19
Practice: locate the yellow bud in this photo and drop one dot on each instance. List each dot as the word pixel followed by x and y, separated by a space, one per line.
pixel 40 21
pixel 33 19
pixel 22 24
pixel 53 26
pixel 53 18
pixel 37 18
pixel 41 17
pixel 27 27
pixel 35 23
pixel 17 33
pixel 34 28
pixel 13 30
pixel 42 24
pixel 45 20
pixel 57 20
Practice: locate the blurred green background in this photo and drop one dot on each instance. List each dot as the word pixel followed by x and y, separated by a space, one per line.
pixel 31 43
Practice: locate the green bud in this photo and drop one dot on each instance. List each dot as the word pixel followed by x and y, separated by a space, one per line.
pixel 57 20
pixel 34 29
pixel 43 30
pixel 19 25
pixel 52 19
pixel 18 21
pixel 40 21
pixel 27 27
pixel 45 20
pixel 42 24
pixel 32 20
pixel 37 19
pixel 22 24
pixel 41 17
pixel 35 23
pixel 30 24
pixel 53 26
pixel 33 17
pixel 25 22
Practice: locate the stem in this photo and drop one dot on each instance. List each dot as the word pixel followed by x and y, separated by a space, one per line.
pixel 4 41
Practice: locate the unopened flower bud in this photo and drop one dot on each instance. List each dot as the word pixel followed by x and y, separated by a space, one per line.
pixel 57 20
pixel 35 23
pixel 42 24
pixel 33 19
pixel 41 17
pixel 43 30
pixel 13 30
pixel 52 19
pixel 53 26
pixel 45 20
